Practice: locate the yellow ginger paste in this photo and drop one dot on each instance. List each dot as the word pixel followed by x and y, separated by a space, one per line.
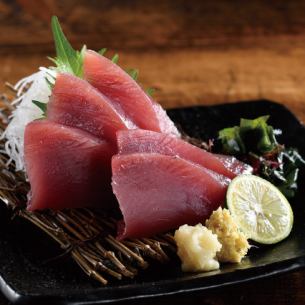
pixel 234 243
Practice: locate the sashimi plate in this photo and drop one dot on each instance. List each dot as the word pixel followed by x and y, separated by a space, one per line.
pixel 28 275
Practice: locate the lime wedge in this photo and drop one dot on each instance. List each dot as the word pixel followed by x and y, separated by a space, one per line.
pixel 260 210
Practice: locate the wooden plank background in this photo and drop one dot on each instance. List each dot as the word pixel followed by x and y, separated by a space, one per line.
pixel 193 52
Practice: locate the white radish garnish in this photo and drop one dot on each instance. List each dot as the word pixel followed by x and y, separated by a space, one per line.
pixel 32 87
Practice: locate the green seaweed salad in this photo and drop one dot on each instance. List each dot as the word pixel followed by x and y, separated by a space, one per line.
pixel 254 142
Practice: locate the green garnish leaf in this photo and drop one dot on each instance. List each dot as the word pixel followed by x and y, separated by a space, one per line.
pixel 42 106
pixel 102 51
pixel 67 59
pixel 231 140
pixel 134 73
pixel 49 83
pixel 285 175
pixel 254 142
pixel 71 61
pixel 259 132
pixel 150 91
pixel 115 58
pixel 250 136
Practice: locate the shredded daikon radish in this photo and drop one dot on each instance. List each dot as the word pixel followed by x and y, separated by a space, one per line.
pixel 32 87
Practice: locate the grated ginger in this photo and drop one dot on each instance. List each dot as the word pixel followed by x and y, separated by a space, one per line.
pixel 197 248
pixel 234 243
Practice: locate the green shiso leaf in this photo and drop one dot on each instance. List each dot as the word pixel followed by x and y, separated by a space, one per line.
pixel 150 91
pixel 50 84
pixel 71 61
pixel 41 106
pixel 134 73
pixel 67 59
pixel 115 58
pixel 102 51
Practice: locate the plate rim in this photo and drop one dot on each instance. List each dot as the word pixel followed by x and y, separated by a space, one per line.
pixel 277 268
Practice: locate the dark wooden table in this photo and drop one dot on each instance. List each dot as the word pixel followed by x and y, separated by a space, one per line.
pixel 192 52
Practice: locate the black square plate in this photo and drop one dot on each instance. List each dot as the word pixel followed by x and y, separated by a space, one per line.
pixel 26 280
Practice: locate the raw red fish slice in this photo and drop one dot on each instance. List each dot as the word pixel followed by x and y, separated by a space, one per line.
pixel 67 168
pixel 234 165
pixel 74 102
pixel 157 193
pixel 126 94
pixel 144 141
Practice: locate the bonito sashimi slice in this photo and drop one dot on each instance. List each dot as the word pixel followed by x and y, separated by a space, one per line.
pixel 157 193
pixel 126 94
pixel 74 102
pixel 144 141
pixel 66 167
